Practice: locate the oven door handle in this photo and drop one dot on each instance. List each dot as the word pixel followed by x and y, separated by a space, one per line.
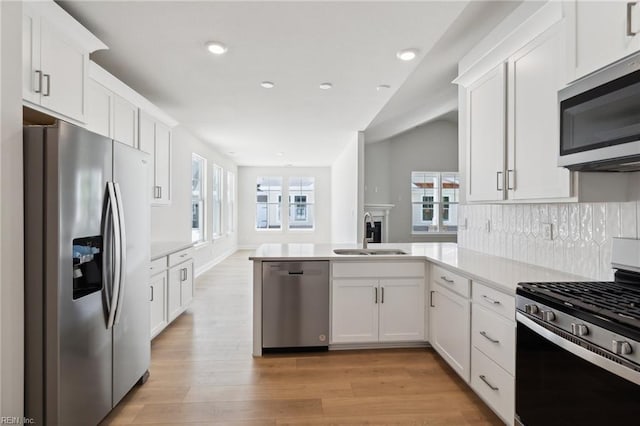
pixel 592 357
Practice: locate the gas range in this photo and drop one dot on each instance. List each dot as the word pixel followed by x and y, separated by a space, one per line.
pixel 578 345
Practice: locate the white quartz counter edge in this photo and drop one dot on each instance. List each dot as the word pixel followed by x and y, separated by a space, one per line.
pixel 498 272
pixel 165 248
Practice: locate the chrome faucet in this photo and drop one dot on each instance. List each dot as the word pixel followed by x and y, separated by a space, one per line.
pixel 366 240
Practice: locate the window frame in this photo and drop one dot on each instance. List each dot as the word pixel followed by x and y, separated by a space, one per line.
pixel 202 200
pixel 231 201
pixel 266 204
pixel 295 206
pixel 217 201
pixel 438 203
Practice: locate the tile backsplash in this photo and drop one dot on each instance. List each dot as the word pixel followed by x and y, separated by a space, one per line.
pixel 581 233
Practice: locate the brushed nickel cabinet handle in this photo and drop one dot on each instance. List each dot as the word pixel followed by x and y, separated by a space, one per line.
pixel 431 300
pixel 38 73
pixel 499 181
pixel 151 293
pixel 488 299
pixel 486 336
pixel 375 300
pixel 382 298
pixel 511 179
pixel 484 379
pixel 48 78
pixel 446 280
pixel 630 32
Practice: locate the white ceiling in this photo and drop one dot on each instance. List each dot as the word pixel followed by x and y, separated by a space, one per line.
pixel 158 48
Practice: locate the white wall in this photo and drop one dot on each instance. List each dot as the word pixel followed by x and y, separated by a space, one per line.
pixel 11 212
pixel 250 237
pixel 173 223
pixel 345 193
pixel 388 166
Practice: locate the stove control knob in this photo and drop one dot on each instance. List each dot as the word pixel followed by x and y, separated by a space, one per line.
pixel 531 309
pixel 548 316
pixel 621 347
pixel 579 329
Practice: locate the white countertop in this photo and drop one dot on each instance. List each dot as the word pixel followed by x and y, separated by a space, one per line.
pixel 498 272
pixel 165 248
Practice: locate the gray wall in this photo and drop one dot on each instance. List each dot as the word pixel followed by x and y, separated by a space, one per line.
pixel 388 166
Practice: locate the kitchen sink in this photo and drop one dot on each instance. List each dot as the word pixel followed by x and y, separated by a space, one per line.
pixel 366 252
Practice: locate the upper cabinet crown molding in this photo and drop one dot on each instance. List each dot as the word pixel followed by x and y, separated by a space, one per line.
pixel 520 28
pixel 65 24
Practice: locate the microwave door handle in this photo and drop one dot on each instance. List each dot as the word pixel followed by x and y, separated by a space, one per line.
pixel 589 356
pixel 122 255
pixel 115 273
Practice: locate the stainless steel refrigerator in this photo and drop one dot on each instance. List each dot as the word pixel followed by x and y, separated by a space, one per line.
pixel 87 231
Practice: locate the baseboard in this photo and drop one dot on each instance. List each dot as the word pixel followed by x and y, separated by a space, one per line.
pixel 391 345
pixel 204 268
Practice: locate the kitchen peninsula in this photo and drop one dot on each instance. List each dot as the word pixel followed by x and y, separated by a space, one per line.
pixel 459 301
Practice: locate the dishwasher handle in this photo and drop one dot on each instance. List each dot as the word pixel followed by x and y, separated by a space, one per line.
pixel 296 272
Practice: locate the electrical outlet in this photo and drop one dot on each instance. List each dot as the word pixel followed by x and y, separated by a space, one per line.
pixel 547 231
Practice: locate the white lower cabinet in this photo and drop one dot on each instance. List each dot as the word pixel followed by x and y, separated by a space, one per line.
pixel 493 355
pixel 493 384
pixel 381 309
pixel 450 325
pixel 158 297
pixel 171 288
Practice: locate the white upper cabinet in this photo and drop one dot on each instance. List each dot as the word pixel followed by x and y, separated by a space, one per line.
pixel 55 58
pixel 511 114
pixel 99 109
pixel 125 122
pixel 155 139
pixel 602 32
pixel 486 115
pixel 536 73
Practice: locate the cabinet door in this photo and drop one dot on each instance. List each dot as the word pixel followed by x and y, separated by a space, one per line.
pixel 64 68
pixel 536 73
pixel 401 310
pixel 162 164
pixel 486 110
pixel 99 107
pixel 600 33
pixel 146 143
pixel 186 289
pixel 449 316
pixel 174 303
pixel 354 315
pixel 158 310
pixel 31 72
pixel 125 122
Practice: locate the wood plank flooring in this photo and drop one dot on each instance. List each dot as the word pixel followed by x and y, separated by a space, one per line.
pixel 202 373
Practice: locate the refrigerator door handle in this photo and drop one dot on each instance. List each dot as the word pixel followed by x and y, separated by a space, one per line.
pixel 122 255
pixel 115 220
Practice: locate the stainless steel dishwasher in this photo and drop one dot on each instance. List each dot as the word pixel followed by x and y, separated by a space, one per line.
pixel 295 305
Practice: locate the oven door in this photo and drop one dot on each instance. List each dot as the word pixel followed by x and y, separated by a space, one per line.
pixel 560 382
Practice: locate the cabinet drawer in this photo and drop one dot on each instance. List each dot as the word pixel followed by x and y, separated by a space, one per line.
pixel 378 269
pixel 495 336
pixel 180 256
pixel 158 265
pixel 451 280
pixel 494 385
pixel 500 303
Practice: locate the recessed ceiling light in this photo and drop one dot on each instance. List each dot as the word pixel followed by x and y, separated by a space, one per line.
pixel 407 54
pixel 216 47
pixel 383 87
pixel 326 86
pixel 268 84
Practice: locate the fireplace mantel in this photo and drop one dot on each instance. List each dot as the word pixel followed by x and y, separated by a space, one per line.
pixel 380 213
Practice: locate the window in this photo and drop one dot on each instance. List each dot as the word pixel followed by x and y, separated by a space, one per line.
pixel 301 198
pixel 434 200
pixel 268 199
pixel 216 201
pixel 198 197
pixel 231 197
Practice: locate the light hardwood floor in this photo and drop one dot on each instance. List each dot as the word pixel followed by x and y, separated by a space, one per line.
pixel 202 373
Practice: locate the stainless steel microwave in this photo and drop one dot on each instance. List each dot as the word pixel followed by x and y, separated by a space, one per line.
pixel 600 119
